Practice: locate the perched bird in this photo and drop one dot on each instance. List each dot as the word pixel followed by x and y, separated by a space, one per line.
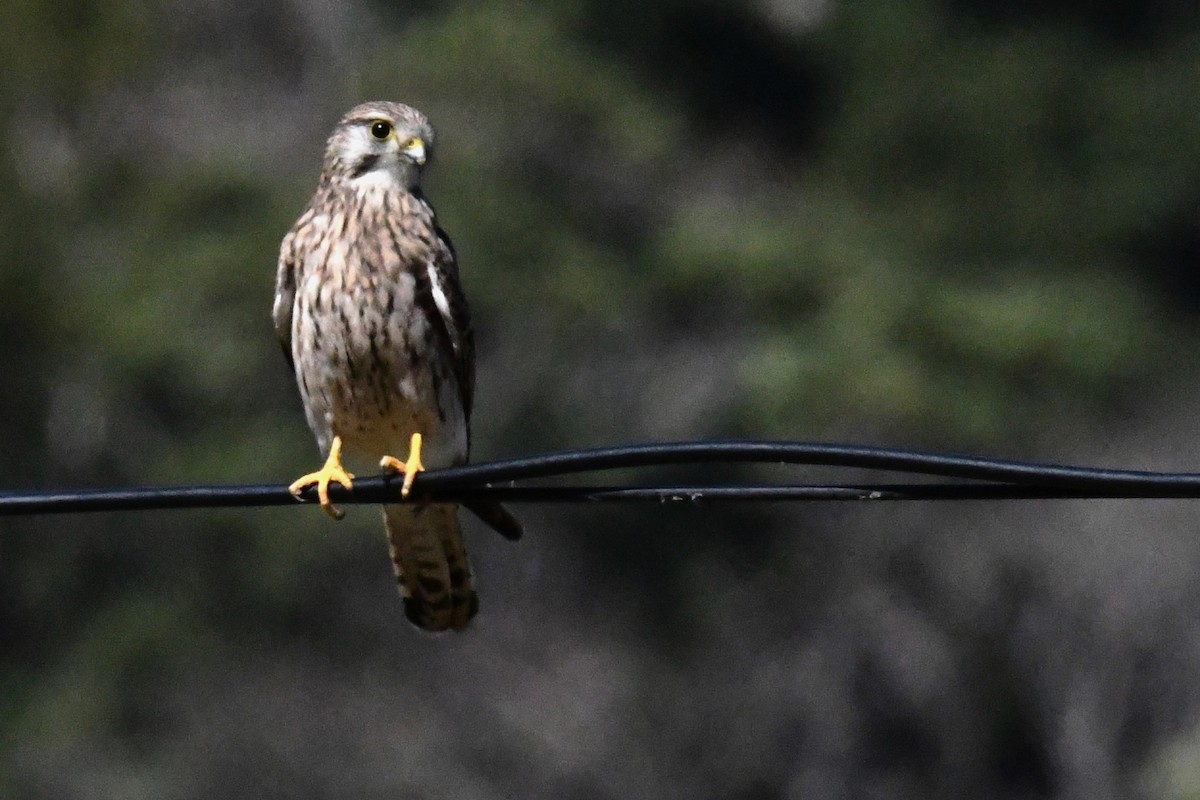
pixel 372 318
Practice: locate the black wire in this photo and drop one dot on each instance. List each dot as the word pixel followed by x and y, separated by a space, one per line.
pixel 992 479
pixel 805 453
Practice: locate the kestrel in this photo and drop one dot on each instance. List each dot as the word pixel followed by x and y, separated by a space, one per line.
pixel 372 318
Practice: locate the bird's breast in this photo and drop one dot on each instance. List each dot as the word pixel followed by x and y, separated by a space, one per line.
pixel 369 363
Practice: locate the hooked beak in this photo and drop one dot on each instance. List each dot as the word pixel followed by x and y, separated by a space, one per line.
pixel 415 149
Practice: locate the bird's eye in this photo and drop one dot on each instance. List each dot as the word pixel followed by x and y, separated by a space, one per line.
pixel 381 129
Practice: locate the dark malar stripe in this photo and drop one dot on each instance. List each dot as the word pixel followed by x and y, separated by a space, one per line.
pixel 368 163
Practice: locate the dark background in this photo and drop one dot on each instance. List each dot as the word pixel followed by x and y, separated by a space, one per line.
pixel 913 223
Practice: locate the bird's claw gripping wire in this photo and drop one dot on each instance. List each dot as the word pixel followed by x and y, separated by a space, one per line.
pixel 410 468
pixel 332 471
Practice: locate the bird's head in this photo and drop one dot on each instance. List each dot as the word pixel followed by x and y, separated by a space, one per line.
pixel 380 141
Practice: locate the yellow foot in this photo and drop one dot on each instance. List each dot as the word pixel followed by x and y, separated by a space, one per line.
pixel 410 468
pixel 332 471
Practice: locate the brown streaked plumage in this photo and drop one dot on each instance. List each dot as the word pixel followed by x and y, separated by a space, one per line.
pixel 372 318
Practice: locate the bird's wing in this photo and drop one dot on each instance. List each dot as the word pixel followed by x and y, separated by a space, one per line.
pixel 454 315
pixel 456 319
pixel 285 292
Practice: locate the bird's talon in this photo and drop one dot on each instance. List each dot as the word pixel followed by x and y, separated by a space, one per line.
pixel 410 468
pixel 333 472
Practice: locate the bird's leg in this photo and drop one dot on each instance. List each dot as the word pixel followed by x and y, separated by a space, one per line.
pixel 332 471
pixel 410 468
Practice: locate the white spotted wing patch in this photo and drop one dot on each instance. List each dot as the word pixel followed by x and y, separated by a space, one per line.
pixel 439 294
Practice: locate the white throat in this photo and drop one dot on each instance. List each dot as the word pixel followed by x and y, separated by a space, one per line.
pixel 378 180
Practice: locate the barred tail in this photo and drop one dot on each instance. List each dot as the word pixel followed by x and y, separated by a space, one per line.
pixel 431 566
